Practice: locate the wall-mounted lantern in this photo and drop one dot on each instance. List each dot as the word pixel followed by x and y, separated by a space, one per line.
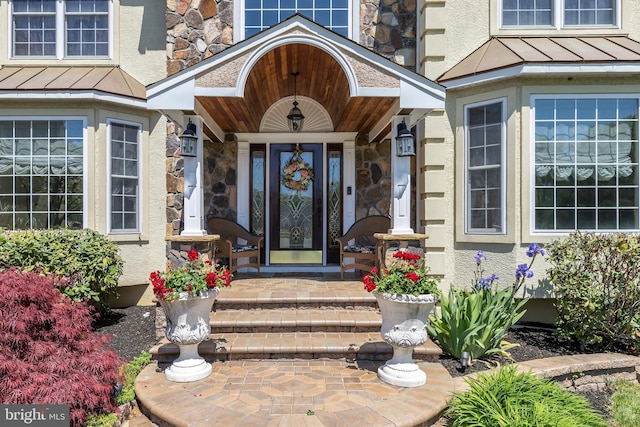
pixel 189 141
pixel 404 140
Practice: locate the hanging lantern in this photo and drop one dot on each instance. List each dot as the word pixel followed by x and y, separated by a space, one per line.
pixel 295 117
pixel 189 140
pixel 404 141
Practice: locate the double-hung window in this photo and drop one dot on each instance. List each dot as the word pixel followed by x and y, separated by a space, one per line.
pixel 559 13
pixel 124 166
pixel 586 164
pixel 42 173
pixel 262 14
pixel 485 135
pixel 60 28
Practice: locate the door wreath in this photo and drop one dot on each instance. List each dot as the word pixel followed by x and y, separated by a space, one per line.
pixel 297 174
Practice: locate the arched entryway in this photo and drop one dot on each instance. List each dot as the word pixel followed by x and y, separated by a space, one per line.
pixel 241 96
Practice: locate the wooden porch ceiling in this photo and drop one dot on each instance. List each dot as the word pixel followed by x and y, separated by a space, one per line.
pixel 321 78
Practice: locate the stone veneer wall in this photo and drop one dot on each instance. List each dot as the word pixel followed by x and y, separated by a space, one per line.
pixel 175 182
pixel 373 179
pixel 196 29
pixel 220 180
pixel 389 28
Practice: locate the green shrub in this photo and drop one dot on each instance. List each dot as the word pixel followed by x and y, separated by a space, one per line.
pixel 90 263
pixel 506 398
pixel 130 371
pixel 476 320
pixel 625 404
pixel 596 279
pixel 103 420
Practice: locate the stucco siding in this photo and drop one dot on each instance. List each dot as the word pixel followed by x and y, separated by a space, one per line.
pixel 141 41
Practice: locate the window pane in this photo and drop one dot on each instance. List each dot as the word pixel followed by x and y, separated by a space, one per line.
pixel 124 177
pixel 590 164
pixel 589 12
pixel 527 12
pixel 331 14
pixel 35 178
pixel 485 174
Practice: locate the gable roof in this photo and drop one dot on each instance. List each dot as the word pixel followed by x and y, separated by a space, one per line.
pixel 507 56
pixel 105 82
pixel 248 77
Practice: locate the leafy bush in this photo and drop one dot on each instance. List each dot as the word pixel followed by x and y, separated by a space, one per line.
pixel 89 261
pixel 103 420
pixel 49 353
pixel 506 398
pixel 625 404
pixel 476 320
pixel 596 279
pixel 130 371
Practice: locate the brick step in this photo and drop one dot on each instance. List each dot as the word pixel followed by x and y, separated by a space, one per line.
pixel 295 345
pixel 304 320
pixel 296 301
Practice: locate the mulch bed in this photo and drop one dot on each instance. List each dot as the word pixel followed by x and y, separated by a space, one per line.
pixel 132 329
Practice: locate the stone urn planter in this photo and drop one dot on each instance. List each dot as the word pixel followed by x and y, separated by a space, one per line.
pixel 403 327
pixel 187 326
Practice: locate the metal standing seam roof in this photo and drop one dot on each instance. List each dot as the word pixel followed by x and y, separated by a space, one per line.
pixel 503 52
pixel 107 79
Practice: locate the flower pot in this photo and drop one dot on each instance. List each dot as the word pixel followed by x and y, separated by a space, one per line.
pixel 187 326
pixel 403 327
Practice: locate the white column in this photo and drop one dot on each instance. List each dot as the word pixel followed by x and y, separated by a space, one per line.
pixel 401 185
pixel 193 204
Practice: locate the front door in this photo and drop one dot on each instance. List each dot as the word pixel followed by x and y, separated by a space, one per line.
pixel 296 204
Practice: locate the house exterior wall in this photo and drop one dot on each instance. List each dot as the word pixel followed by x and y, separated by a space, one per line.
pixel 138 48
pixel 450 31
pixel 197 29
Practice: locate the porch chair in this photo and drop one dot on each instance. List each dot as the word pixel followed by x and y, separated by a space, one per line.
pixel 364 249
pixel 236 243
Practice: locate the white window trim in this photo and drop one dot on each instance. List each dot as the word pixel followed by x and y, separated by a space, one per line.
pixel 503 166
pixel 532 154
pixel 138 229
pixel 85 160
pixel 558 19
pixel 353 18
pixel 61 42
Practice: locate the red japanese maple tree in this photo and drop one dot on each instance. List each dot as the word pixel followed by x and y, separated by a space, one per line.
pixel 48 352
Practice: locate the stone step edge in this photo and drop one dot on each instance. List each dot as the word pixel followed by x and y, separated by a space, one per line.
pixel 284 346
pixel 583 366
pixel 336 299
pixel 306 318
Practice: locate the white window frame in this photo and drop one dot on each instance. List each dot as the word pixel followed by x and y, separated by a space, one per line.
pixel 61 37
pixel 532 176
pixel 503 169
pixel 85 163
pixel 353 19
pixel 557 20
pixel 110 176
